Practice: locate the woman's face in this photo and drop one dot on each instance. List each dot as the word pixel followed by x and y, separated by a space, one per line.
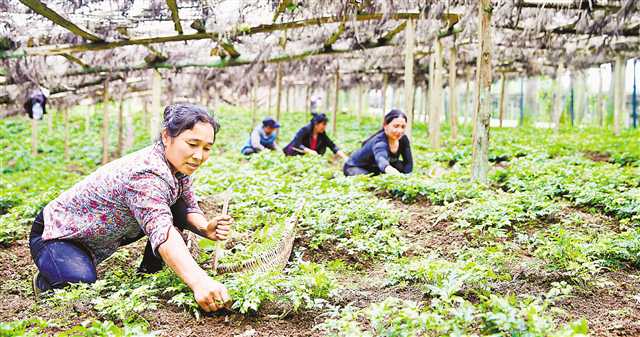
pixel 395 129
pixel 190 149
pixel 320 127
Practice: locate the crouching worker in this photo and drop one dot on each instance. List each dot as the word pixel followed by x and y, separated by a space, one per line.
pixel 146 193
pixel 312 139
pixel 381 152
pixel 262 137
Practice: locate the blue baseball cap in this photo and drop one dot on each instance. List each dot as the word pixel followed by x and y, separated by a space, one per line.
pixel 270 122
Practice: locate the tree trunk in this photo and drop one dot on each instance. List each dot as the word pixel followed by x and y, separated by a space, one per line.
pixel 502 82
pixel 408 75
pixel 618 95
pixel 278 91
pixel 65 116
pixel 156 91
pixel 105 123
pixel 480 161
pixel 334 122
pixel 453 92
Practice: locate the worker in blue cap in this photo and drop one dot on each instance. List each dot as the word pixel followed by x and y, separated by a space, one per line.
pixel 262 137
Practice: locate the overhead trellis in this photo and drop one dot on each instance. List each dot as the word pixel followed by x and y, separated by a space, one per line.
pixel 231 37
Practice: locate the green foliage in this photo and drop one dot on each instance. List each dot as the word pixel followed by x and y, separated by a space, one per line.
pixel 27 328
pixel 493 315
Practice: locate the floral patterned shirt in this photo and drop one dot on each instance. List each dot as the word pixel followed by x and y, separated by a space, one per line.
pixel 120 201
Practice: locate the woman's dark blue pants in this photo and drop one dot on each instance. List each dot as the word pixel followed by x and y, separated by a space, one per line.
pixel 61 262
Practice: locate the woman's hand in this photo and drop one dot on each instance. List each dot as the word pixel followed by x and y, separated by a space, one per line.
pixel 343 155
pixel 391 170
pixel 219 227
pixel 210 294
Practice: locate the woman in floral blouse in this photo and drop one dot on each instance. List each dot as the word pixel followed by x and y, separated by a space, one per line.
pixel 148 192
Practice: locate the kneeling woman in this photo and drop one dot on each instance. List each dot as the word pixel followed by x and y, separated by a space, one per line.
pixel 381 152
pixel 148 192
pixel 312 139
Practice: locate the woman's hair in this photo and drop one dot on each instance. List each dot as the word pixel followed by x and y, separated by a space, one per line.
pixel 388 118
pixel 183 116
pixel 318 118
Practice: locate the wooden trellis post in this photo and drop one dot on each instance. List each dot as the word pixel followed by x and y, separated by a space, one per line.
pixel 436 96
pixel 34 137
pixel 431 96
pixel 466 113
pixel 87 117
pixel 424 101
pixel 105 123
pixel 145 111
pixel 50 119
pixel 385 84
pixel 557 105
pixel 408 74
pixel 453 92
pixel 65 116
pixel 156 90
pixel 278 91
pixel 269 99
pixel 254 106
pixel 480 161
pixel 360 105
pixel 334 124
pixel 121 124
pixel 307 98
pixel 502 83
pixel 600 99
pixel 618 94
pixel 287 96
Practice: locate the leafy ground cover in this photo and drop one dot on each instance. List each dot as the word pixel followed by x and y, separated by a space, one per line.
pixel 550 247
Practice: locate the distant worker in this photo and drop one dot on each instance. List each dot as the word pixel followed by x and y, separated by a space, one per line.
pixel 312 138
pixel 381 152
pixel 316 101
pixel 262 137
pixel 36 104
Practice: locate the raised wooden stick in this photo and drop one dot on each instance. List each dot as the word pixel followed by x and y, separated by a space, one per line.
pixel 220 244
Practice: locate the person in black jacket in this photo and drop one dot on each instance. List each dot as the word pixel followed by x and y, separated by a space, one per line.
pixel 35 106
pixel 312 138
pixel 381 152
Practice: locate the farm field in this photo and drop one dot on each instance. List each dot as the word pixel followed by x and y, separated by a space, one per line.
pixel 550 246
